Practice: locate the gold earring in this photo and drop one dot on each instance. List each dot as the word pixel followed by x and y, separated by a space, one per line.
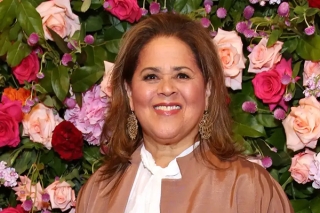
pixel 132 126
pixel 205 127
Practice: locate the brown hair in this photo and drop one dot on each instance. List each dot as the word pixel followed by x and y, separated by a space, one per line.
pixel 120 146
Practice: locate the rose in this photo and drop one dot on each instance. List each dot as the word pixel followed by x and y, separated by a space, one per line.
pixel 61 195
pixel 21 94
pixel 128 10
pixel 9 131
pixel 300 166
pixel 18 209
pixel 229 46
pixel 314 3
pixel 58 16
pixel 26 189
pixel 302 125
pixel 262 58
pixel 39 124
pixel 309 69
pixel 27 69
pixel 12 108
pixel 67 141
pixel 105 83
pixel 268 87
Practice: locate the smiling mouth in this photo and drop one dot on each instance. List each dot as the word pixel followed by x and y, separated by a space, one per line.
pixel 167 108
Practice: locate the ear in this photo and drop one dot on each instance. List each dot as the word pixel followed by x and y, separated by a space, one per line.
pixel 129 94
pixel 208 93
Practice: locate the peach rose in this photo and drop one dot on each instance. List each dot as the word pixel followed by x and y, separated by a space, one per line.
pixel 105 83
pixel 61 195
pixel 39 124
pixel 229 46
pixel 302 125
pixel 263 58
pixel 58 16
pixel 300 166
pixel 26 189
pixel 309 69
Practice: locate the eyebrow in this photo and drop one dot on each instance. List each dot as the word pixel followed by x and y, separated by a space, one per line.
pixel 158 69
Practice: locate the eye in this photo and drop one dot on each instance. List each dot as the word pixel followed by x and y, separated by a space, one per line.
pixel 182 76
pixel 150 77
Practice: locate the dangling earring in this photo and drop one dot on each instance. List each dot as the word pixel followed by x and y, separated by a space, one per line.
pixel 132 126
pixel 205 127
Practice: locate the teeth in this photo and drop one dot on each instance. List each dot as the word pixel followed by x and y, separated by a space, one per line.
pixel 167 108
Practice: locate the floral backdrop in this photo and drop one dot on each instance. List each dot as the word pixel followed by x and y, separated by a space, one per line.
pixel 56 57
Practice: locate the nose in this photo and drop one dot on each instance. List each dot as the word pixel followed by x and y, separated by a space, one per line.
pixel 167 87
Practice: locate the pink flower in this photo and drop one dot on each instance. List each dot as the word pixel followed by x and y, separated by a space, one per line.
pixel 58 16
pixel 300 166
pixel 27 69
pixel 39 124
pixel 310 68
pixel 18 209
pixel 9 131
pixel 233 61
pixel 128 10
pixel 302 125
pixel 61 195
pixel 12 108
pixel 26 189
pixel 314 173
pixel 90 118
pixel 263 58
pixel 106 84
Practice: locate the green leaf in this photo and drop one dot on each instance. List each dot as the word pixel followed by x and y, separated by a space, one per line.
pixel 267 120
pixel 299 10
pixel 40 89
pixel 277 138
pixel 7 13
pixel 91 154
pixel 274 37
pixel 25 160
pixel 29 19
pixel 60 82
pixel 290 45
pixel 84 77
pixel 5 43
pixel 260 21
pixel 300 205
pixel 14 32
pixel 309 48
pixel 47 100
pixel 46 81
pixel 57 165
pixel 93 23
pixel 85 5
pixel 247 125
pixel 95 56
pixel 296 69
pixel 312 11
pixel 315 205
pixel 186 6
pixel 113 45
pixel 62 45
pixel 17 52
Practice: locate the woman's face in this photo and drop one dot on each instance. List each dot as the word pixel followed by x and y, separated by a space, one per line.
pixel 168 93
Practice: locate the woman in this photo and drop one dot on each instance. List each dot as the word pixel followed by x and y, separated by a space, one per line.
pixel 170 149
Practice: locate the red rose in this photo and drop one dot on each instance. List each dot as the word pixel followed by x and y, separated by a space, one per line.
pixel 268 87
pixel 12 108
pixel 128 10
pixel 9 131
pixel 67 141
pixel 314 3
pixel 18 209
pixel 28 68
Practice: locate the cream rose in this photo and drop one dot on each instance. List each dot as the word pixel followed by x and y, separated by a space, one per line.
pixel 300 166
pixel 263 58
pixel 309 69
pixel 61 195
pixel 58 16
pixel 105 83
pixel 39 124
pixel 302 125
pixel 229 46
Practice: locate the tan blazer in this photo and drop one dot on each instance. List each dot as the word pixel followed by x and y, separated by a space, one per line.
pixel 238 187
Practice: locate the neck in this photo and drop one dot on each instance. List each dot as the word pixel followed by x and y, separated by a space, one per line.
pixel 163 154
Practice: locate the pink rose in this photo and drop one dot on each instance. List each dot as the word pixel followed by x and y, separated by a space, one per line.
pixel 105 83
pixel 58 16
pixel 39 124
pixel 61 195
pixel 300 166
pixel 18 209
pixel 233 61
pixel 9 130
pixel 302 125
pixel 263 58
pixel 26 189
pixel 309 69
pixel 128 10
pixel 12 108
pixel 27 69
pixel 268 87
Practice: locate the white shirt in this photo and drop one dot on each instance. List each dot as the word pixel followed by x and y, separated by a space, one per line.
pixel 146 190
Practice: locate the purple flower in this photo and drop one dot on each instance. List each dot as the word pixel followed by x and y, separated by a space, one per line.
pixel 33 39
pixel 40 75
pixel 287 23
pixel 207 2
pixel 283 9
pixel 89 39
pixel 287 97
pixel 309 30
pixel 154 8
pixel 221 12
pixel 242 26
pixel 27 205
pixel 106 5
pixel 26 109
pixel 45 197
pixel 314 172
pixel 248 12
pixel 70 103
pixel 279 114
pixel 286 79
pixel 249 33
pixel 249 106
pixel 66 58
pixel 30 102
pixel 72 45
pixel 207 8
pixel 250 47
pixel 253 1
pixel 266 162
pixel 213 33
pixel 144 11
pixel 164 10
pixel 205 22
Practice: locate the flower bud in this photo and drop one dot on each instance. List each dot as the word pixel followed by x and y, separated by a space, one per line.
pixel 207 2
pixel 266 162
pixel 154 8
pixel 40 75
pixel 70 103
pixel 33 39
pixel 283 9
pixel 221 12
pixel 248 12
pixel 309 30
pixel 249 106
pixel 279 114
pixel 144 11
pixel 66 58
pixel 205 22
pixel 207 8
pixel 89 39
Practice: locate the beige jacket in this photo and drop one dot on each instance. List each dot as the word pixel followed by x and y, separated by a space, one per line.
pixel 238 187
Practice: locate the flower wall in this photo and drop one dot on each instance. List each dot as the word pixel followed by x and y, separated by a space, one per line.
pixel 56 58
